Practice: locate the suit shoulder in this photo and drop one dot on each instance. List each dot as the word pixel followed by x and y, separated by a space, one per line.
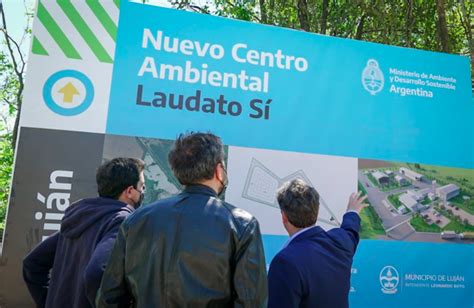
pixel 285 259
pixel 293 253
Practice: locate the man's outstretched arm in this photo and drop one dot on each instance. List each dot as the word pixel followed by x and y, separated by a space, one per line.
pixel 348 234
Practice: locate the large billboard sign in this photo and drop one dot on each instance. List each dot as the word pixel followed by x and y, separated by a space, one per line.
pixel 342 115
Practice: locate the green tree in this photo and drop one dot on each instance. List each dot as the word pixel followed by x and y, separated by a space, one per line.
pixel 12 72
pixel 6 167
pixel 440 25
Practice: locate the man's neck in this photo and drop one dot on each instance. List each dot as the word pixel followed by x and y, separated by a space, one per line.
pixel 213 184
pixel 124 199
pixel 295 230
pixel 292 230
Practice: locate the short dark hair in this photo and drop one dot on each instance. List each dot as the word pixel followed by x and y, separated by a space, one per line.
pixel 194 157
pixel 114 176
pixel 300 203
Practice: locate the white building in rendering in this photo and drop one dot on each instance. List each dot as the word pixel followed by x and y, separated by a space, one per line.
pixel 381 178
pixel 418 195
pixel 432 196
pixel 447 192
pixel 401 180
pixel 412 175
pixel 409 201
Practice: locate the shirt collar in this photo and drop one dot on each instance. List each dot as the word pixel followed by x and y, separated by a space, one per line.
pixel 296 234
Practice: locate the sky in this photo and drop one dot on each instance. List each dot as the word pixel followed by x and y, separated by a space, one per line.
pixel 15 15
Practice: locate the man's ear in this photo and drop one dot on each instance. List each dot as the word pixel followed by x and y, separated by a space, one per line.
pixel 284 218
pixel 128 191
pixel 219 172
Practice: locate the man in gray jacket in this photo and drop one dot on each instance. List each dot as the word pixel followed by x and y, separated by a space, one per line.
pixel 190 250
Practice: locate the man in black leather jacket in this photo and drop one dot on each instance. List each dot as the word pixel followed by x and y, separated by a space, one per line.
pixel 190 250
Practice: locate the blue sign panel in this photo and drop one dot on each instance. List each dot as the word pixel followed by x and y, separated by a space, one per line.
pixel 267 87
pixel 277 89
pixel 405 274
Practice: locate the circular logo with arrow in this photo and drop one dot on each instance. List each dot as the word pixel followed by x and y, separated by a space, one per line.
pixel 68 92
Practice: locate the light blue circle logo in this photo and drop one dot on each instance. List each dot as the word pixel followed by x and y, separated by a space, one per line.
pixel 389 279
pixel 372 77
pixel 68 92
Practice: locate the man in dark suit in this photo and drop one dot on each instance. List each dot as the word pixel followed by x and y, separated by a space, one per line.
pixel 314 268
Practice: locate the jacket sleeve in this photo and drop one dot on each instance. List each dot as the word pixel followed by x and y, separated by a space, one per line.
pixel 250 281
pixel 36 269
pixel 113 291
pixel 347 236
pixel 96 266
pixel 284 284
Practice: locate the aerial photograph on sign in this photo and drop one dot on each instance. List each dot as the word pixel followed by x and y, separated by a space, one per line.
pixel 159 178
pixel 417 202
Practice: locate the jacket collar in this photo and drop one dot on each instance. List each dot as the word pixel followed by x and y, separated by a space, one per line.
pixel 308 233
pixel 200 189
